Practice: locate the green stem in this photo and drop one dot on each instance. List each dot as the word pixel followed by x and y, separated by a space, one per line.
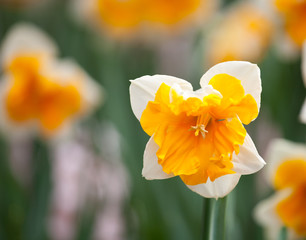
pixel 206 217
pixel 214 219
pixel 283 234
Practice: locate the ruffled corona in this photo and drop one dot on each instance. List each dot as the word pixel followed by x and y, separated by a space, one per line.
pixel 198 134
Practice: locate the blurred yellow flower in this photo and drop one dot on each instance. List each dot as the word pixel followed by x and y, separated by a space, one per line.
pixel 34 96
pixel 122 17
pixel 243 33
pixel 287 174
pixel 130 13
pixel 294 16
pixel 199 135
pixel 38 90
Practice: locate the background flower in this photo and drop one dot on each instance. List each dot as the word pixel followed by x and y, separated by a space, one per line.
pixel 38 91
pixel 293 16
pixel 286 173
pixel 248 30
pixel 143 18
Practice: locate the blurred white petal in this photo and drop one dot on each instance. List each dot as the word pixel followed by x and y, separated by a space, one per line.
pixel 280 150
pixel 24 38
pixel 303 112
pixel 265 213
pixel 304 62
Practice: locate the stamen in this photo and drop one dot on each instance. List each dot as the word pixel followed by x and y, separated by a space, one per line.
pixel 200 127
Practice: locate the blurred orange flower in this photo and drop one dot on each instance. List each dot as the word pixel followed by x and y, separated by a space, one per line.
pixel 243 33
pixel 122 17
pixel 293 13
pixel 38 89
pixel 287 174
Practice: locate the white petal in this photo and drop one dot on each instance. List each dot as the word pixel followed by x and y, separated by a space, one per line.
pixel 143 89
pixel 265 214
pixel 280 150
pixel 248 160
pixel 303 112
pixel 246 72
pixel 24 38
pixel 151 168
pixel 218 188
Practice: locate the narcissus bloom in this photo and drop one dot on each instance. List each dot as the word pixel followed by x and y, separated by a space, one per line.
pixel 248 32
pixel 199 135
pixel 293 13
pixel 303 111
pixel 121 17
pixel 38 91
pixel 287 174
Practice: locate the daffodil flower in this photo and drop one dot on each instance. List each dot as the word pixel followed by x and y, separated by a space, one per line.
pixel 38 91
pixel 303 111
pixel 248 32
pixel 199 135
pixel 286 172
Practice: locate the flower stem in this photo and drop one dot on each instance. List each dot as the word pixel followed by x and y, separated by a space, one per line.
pixel 206 217
pixel 214 219
pixel 282 234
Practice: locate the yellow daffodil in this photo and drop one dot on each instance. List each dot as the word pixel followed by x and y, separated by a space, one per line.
pixel 199 135
pixel 37 90
pixel 287 174
pixel 121 17
pixel 244 32
pixel 303 111
pixel 293 13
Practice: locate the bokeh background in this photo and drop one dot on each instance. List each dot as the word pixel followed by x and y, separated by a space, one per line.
pixel 90 186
